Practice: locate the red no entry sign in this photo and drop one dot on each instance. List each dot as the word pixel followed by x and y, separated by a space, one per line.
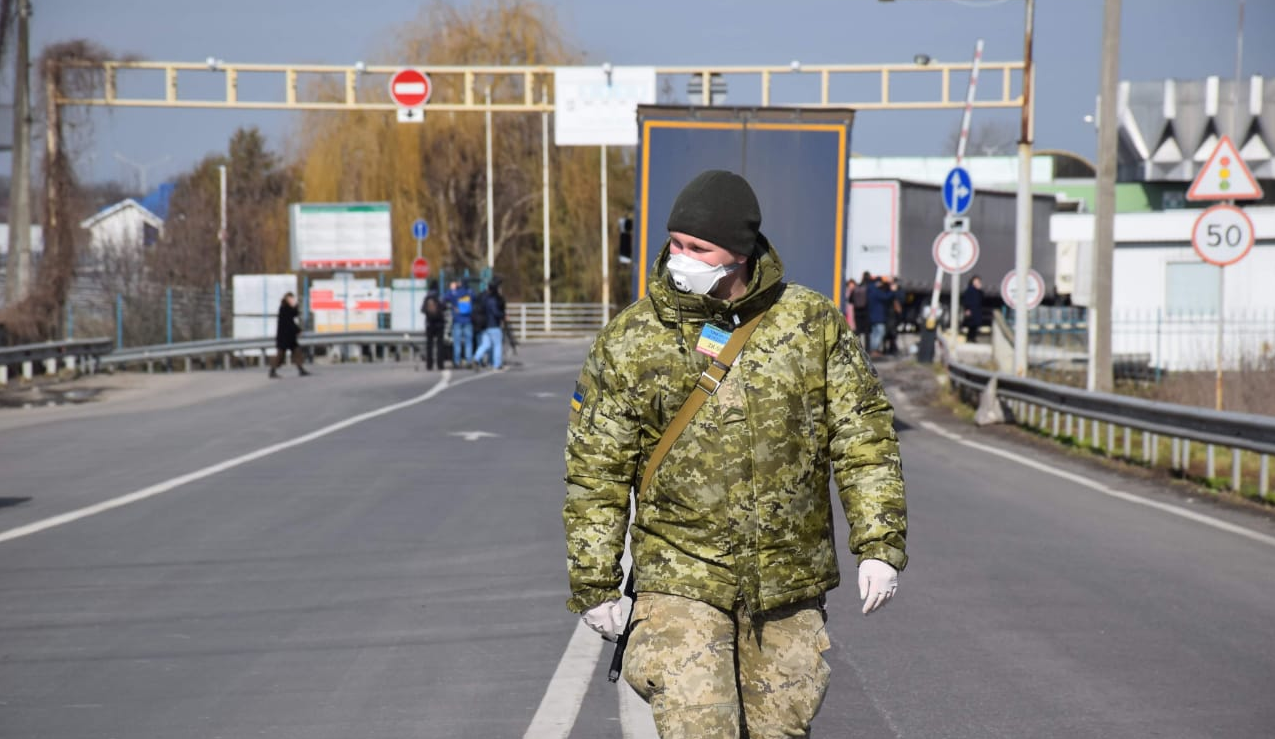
pixel 410 88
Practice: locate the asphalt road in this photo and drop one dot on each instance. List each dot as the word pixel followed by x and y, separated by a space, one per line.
pixel 403 576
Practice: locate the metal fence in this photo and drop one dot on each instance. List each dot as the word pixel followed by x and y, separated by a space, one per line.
pixel 149 315
pixel 563 320
pixel 1149 343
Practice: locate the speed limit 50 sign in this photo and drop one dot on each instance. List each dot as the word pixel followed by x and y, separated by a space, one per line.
pixel 1222 235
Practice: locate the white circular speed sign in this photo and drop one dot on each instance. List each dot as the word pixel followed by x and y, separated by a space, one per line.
pixel 1222 235
pixel 956 251
pixel 1035 288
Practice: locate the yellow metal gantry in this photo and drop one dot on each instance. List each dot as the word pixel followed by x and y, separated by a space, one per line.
pixel 460 88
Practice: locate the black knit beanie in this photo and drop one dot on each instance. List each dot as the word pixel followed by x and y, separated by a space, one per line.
pixel 719 207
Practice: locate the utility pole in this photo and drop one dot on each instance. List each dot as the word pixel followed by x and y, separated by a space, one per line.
pixel 1023 201
pixel 18 282
pixel 222 234
pixel 1099 315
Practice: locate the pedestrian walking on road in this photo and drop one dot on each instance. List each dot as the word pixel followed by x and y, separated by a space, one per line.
pixel 847 301
pixel 287 336
pixel 460 301
pixel 859 300
pixel 972 302
pixel 435 319
pixel 493 333
pixel 880 303
pixel 725 400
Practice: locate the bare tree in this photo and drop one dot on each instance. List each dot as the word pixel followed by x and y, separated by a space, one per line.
pixel 438 169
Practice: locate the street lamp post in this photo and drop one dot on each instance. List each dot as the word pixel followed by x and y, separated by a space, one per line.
pixel 221 231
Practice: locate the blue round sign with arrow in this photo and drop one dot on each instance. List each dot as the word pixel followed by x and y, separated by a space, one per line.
pixel 420 229
pixel 958 191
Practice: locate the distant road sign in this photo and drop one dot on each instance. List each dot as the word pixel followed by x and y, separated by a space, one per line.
pixel 958 191
pixel 1222 235
pixel 1224 176
pixel 1035 288
pixel 420 229
pixel 420 268
pixel 410 88
pixel 956 252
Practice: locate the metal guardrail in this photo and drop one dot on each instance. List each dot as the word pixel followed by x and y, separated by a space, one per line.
pixel 529 321
pixel 1032 402
pixel 54 350
pixel 72 352
pixel 191 349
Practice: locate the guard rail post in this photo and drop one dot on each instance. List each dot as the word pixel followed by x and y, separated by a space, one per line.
pixel 1237 468
pixel 168 314
pixel 1180 426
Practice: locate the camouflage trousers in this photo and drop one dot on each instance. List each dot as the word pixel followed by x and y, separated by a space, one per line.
pixel 709 674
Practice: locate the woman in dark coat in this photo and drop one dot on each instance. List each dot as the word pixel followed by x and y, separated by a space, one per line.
pixel 286 336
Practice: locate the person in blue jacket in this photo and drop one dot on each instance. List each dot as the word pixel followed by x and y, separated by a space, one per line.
pixel 460 301
pixel 880 303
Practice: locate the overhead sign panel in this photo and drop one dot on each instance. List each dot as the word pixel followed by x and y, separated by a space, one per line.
pixel 329 236
pixel 1225 177
pixel 597 106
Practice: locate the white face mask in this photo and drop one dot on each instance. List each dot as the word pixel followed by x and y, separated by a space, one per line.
pixel 690 275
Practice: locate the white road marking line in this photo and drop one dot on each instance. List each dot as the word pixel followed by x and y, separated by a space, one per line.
pixel 474 435
pixel 558 709
pixel 176 482
pixel 1216 523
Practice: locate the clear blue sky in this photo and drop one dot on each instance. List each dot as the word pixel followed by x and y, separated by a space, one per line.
pixel 1188 39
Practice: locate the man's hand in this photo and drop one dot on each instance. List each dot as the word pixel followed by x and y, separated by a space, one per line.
pixel 607 619
pixel 878 582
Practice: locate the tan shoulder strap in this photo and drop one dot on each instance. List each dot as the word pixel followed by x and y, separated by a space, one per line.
pixel 709 380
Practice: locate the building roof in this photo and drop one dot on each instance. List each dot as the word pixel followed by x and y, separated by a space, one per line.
pixel 111 211
pixel 153 207
pixel 1168 128
pixel 157 200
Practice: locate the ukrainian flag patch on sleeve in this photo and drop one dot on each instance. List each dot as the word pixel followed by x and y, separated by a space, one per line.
pixel 577 399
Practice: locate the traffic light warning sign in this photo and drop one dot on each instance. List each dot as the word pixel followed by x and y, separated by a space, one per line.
pixel 1224 177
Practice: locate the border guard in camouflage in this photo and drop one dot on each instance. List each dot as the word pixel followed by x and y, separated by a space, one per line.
pixel 732 543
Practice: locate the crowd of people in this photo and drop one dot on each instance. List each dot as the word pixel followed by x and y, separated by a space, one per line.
pixel 477 325
pixel 875 307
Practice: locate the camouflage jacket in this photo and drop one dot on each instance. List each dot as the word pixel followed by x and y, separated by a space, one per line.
pixel 740 508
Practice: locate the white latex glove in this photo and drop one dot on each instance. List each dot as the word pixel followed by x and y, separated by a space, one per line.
pixel 878 582
pixel 606 618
